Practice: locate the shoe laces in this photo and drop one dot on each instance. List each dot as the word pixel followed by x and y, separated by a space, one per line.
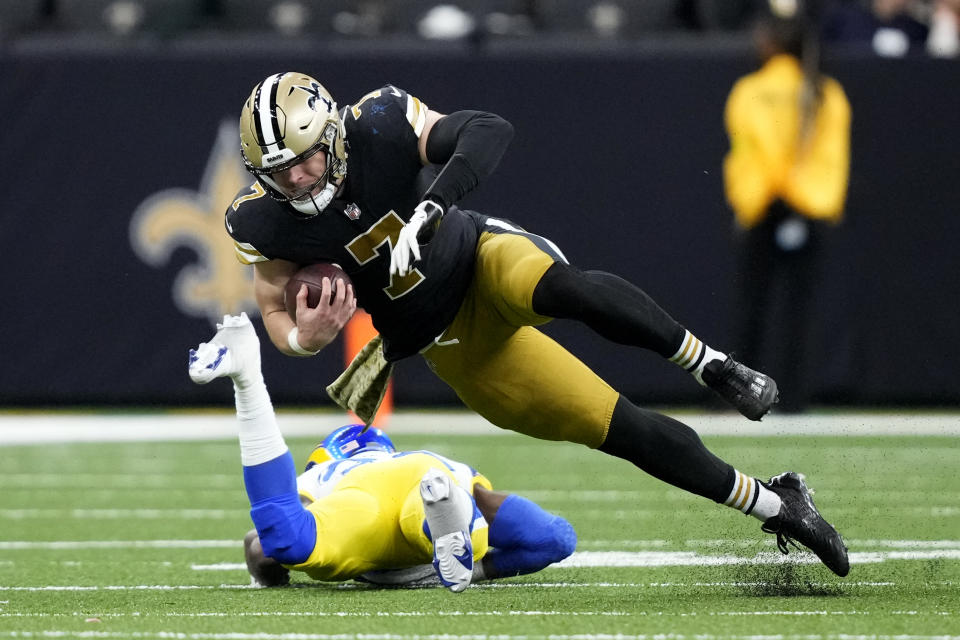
pixel 783 538
pixel 776 525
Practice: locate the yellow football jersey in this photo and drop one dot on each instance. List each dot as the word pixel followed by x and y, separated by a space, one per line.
pixel 370 515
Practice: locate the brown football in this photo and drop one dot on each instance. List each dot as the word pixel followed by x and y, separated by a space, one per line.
pixel 312 275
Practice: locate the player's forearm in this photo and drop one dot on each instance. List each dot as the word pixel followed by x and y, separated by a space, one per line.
pixel 470 145
pixel 279 325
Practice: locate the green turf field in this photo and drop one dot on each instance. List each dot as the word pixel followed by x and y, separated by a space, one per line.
pixel 142 540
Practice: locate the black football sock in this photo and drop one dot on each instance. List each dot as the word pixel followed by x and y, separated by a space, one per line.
pixel 616 309
pixel 621 312
pixel 668 450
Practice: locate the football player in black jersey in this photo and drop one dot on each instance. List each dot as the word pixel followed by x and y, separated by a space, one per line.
pixel 373 187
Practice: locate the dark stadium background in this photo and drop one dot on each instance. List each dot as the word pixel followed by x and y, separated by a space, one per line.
pixel 617 158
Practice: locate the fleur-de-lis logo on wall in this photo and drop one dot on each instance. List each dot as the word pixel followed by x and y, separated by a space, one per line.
pixel 216 283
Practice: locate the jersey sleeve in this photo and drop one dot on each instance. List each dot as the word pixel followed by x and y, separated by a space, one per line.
pixel 389 100
pixel 247 199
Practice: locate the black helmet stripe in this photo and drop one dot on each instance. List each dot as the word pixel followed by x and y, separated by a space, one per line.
pixel 265 115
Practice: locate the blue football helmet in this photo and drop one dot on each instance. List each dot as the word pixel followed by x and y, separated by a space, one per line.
pixel 349 440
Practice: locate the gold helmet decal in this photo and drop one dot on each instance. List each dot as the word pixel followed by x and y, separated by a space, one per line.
pixel 212 285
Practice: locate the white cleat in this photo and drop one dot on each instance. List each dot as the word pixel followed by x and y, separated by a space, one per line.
pixel 435 486
pixel 453 560
pixel 452 552
pixel 233 352
pixel 209 361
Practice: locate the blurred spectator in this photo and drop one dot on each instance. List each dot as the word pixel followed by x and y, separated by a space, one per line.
pixel 892 28
pixel 944 38
pixel 607 19
pixel 367 18
pixel 128 20
pixel 786 179
pixel 446 22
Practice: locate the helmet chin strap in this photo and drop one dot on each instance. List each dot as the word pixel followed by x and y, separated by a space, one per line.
pixel 315 204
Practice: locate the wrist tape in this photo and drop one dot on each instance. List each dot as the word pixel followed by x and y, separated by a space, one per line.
pixel 295 345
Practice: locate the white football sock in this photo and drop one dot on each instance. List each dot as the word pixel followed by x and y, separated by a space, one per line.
pixel 693 355
pixel 752 498
pixel 234 352
pixel 260 437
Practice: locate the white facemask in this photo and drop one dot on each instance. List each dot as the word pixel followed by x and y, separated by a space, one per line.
pixel 315 204
pixel 308 205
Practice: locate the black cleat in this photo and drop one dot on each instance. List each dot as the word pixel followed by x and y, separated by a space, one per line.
pixel 751 392
pixel 800 521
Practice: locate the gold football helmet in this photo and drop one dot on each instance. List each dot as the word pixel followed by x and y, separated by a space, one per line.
pixel 288 118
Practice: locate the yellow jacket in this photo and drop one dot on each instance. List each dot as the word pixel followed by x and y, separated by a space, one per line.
pixel 766 160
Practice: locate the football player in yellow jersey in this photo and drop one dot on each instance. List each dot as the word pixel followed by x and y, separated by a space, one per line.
pixel 363 510
pixel 374 188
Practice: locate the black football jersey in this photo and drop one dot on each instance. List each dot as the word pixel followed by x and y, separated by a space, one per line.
pixel 384 183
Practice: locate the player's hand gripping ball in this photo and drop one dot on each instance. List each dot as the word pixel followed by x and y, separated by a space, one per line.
pixel 312 276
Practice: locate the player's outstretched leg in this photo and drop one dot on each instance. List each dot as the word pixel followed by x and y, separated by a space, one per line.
pixel 623 313
pixel 799 520
pixel 234 352
pixel 751 392
pixel 449 511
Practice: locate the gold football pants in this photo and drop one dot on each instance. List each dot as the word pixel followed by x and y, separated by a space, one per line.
pixel 500 366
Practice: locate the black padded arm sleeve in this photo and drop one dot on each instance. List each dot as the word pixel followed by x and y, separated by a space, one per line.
pixel 469 144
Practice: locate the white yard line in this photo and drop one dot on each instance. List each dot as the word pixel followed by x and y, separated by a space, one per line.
pixel 121 514
pixel 871 544
pixel 17 545
pixel 581 512
pixel 582 559
pixel 169 635
pixel 35 427
pixel 477 614
pixel 482 585
pixel 694 559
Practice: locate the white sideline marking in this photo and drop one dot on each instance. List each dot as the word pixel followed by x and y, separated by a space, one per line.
pixel 36 427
